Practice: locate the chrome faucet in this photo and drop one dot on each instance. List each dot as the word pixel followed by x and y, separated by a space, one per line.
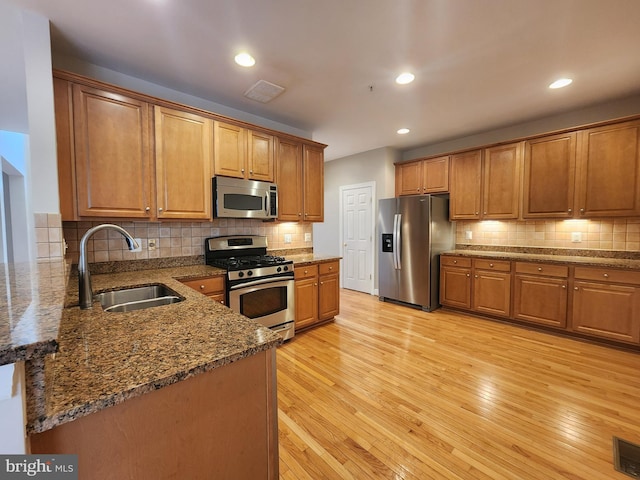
pixel 84 277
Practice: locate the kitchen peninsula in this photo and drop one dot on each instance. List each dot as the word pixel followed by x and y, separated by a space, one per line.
pixel 182 390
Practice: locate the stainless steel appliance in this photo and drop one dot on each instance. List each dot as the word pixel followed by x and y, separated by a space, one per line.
pixel 259 286
pixel 413 231
pixel 238 198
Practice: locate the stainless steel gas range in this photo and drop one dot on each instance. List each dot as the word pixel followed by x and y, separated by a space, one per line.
pixel 259 286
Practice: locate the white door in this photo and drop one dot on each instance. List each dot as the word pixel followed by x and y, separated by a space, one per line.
pixel 357 237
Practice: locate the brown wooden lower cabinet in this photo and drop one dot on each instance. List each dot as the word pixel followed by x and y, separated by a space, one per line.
pixel 540 294
pixel 596 302
pixel 218 424
pixel 317 293
pixel 212 287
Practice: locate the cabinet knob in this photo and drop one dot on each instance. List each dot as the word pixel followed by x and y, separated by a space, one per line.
pixel 160 209
pixel 484 213
pixel 564 286
pixel 315 284
pixel 321 283
pixel 582 210
pixel 330 268
pixel 306 271
pixel 575 288
pixel 299 214
pixel 606 275
pixel 201 287
pixel 468 275
pixel 251 172
pixel 242 170
pixel 455 261
pixel 475 276
pixel 418 189
pixel 491 265
pixel 569 210
pixel 147 209
pixel 539 269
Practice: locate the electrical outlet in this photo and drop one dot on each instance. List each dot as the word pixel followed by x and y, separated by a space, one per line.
pixel 307 237
pixel 468 234
pixel 152 243
pixel 139 242
pixel 576 237
pixel 287 238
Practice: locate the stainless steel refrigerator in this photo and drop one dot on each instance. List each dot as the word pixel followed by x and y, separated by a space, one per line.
pixel 412 232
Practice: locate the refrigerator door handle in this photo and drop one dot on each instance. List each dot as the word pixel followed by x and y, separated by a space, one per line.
pixel 397 228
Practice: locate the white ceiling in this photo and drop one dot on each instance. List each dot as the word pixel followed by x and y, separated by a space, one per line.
pixel 479 64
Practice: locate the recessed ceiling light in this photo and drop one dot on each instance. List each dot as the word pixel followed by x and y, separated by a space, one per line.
pixel 245 60
pixel 405 78
pixel 561 82
pixel 403 131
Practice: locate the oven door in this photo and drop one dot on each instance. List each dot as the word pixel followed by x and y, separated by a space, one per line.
pixel 269 301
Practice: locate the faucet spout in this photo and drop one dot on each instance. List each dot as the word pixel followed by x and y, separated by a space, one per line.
pixel 84 277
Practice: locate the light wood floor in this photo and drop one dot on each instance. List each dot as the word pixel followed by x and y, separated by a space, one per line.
pixel 391 392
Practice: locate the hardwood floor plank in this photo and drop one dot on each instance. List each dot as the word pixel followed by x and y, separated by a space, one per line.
pixel 386 391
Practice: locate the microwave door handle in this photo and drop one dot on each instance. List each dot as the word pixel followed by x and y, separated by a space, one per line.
pixel 267 201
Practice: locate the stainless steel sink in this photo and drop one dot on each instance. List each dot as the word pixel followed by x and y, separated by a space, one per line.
pixel 137 298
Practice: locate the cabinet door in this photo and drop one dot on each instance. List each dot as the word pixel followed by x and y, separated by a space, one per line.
pixel 113 156
pixel 313 169
pixel 609 171
pixel 230 150
pixel 466 186
pixel 607 310
pixel 549 177
pixel 435 175
pixel 501 183
pixel 455 287
pixel 62 96
pixel 184 160
pixel 260 156
pixel 306 302
pixel 409 178
pixel 492 293
pixel 289 180
pixel 541 300
pixel 328 296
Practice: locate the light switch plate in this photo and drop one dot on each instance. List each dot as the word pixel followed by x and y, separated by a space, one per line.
pixel 287 238
pixel 307 237
pixel 576 237
pixel 468 235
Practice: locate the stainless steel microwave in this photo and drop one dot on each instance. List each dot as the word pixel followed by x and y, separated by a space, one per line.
pixel 238 198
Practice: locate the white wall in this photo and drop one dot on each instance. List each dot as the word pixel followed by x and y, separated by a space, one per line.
pixel 619 108
pixel 372 166
pixel 12 421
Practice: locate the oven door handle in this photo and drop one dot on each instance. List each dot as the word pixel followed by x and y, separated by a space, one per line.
pixel 261 281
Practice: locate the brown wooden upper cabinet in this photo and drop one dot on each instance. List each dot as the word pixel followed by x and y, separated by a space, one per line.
pixel 243 153
pixel 549 176
pixel 423 176
pixel 112 155
pixel 608 174
pixel 300 179
pixel 485 184
pixel 184 161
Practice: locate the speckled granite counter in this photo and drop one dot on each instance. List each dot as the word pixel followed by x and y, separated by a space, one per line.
pixel 595 261
pixel 106 358
pixel 31 304
pixel 309 258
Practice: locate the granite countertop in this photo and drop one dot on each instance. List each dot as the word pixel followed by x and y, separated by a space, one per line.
pixel 310 258
pixel 31 304
pixel 582 260
pixel 106 358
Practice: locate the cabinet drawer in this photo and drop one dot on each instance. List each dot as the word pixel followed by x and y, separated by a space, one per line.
pixel 207 285
pixel 542 269
pixel 330 267
pixel 306 271
pixel 608 275
pixel 497 265
pixel 455 261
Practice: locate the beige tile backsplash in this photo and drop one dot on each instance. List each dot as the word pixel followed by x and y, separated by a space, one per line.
pixel 49 236
pixel 177 239
pixel 608 234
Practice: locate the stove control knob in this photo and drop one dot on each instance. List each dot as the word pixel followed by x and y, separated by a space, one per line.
pixel 279 269
pixel 286 268
pixel 249 273
pixel 241 274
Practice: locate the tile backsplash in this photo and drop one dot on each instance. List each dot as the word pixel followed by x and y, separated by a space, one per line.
pixel 607 234
pixel 49 236
pixel 178 239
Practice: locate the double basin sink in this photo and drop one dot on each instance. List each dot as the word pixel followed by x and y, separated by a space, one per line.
pixel 137 298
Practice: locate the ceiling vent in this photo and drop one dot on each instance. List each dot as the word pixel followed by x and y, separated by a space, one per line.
pixel 263 91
